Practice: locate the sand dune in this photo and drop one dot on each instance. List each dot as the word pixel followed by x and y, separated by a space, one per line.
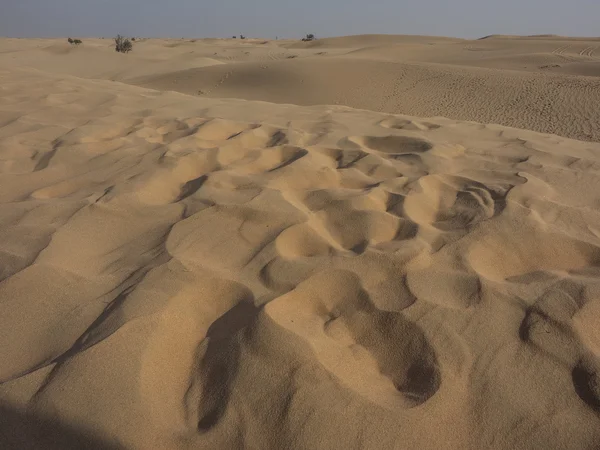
pixel 185 272
pixel 181 270
pixel 550 103
pixel 547 83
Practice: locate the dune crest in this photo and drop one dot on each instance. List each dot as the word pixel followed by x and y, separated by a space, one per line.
pixel 546 83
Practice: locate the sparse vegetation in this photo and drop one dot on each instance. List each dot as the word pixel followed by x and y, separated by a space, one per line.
pixel 234 37
pixel 74 41
pixel 132 39
pixel 122 44
pixel 242 36
pixel 309 37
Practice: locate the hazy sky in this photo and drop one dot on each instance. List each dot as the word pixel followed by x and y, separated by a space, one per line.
pixel 270 18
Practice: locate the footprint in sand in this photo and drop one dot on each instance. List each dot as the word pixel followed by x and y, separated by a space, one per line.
pixel 557 325
pixel 393 145
pixel 378 354
pixel 406 124
pixel 451 203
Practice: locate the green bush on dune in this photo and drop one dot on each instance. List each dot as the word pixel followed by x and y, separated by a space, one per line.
pixel 122 44
pixel 74 41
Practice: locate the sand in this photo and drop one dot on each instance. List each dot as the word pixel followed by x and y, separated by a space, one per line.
pixel 549 84
pixel 181 271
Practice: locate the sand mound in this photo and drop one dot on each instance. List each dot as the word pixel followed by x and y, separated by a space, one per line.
pixel 184 272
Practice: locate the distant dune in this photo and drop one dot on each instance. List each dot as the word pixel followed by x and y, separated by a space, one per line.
pixel 544 83
pixel 553 37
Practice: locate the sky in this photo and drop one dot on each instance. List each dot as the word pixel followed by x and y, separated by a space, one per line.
pixel 285 19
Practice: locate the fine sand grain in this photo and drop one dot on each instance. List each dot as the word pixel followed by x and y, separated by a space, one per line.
pixel 181 272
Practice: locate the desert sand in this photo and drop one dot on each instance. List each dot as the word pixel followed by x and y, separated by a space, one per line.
pixel 257 244
pixel 548 84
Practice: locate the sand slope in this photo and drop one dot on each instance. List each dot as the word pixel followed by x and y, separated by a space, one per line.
pixel 183 272
pixel 549 84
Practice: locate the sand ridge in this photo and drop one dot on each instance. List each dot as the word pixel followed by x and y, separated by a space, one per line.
pixel 185 272
pixel 547 83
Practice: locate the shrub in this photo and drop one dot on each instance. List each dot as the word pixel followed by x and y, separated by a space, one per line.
pixel 77 41
pixel 123 45
pixel 242 36
pixel 309 37
pixel 132 39
pixel 234 37
pixel 70 41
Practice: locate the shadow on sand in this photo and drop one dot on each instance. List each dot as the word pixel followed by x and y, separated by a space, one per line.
pixel 28 431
